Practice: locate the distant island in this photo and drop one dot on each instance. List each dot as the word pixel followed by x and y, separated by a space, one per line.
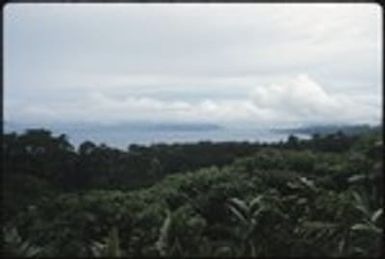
pixel 323 130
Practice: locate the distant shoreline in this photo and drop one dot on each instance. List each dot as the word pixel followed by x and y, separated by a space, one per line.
pixel 330 129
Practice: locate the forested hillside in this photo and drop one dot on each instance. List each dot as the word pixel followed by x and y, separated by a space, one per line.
pixel 317 197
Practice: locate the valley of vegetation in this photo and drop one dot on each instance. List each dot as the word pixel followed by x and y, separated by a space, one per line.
pixel 321 197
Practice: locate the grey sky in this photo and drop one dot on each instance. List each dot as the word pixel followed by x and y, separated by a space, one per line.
pixel 259 64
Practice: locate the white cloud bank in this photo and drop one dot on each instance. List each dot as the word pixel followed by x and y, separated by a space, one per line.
pixel 297 100
pixel 303 99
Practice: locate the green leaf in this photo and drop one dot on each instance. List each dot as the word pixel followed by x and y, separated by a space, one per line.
pixel 362 204
pixel 301 201
pixel 293 185
pixel 253 250
pixel 366 227
pixel 356 178
pixel 176 249
pixel 237 214
pixel 113 248
pixel 357 197
pixel 359 250
pixel 360 226
pixel 307 183
pixel 241 205
pixel 318 225
pixel 256 201
pixel 259 211
pixel 97 249
pixel 162 242
pixel 376 215
pixel 341 246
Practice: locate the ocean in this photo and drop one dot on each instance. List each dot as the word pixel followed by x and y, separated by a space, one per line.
pixel 122 137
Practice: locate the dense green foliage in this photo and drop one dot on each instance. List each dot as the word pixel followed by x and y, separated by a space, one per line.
pixel 318 197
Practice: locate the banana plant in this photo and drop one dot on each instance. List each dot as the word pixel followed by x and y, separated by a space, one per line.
pixel 162 244
pixel 370 223
pixel 14 245
pixel 247 216
pixel 168 243
pixel 110 247
pixel 370 216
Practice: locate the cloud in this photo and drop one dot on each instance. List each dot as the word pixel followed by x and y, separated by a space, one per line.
pixel 298 100
pixel 189 40
pixel 299 96
pixel 225 63
pixel 303 99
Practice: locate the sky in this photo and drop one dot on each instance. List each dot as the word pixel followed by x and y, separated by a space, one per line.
pixel 228 64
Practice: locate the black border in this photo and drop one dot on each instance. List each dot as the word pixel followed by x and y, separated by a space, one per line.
pixel 170 2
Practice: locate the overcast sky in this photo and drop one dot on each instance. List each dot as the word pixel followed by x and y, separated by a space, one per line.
pixel 231 64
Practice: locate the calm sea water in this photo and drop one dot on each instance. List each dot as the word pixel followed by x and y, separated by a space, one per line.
pixel 122 137
pixel 122 140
